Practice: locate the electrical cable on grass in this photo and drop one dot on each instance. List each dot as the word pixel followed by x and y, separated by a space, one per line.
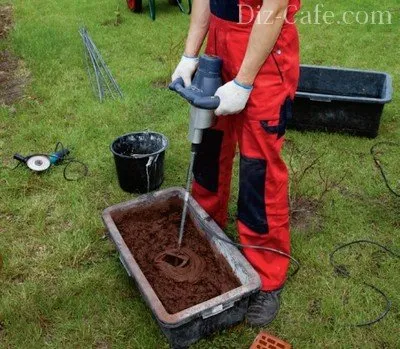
pixel 68 161
pixel 341 271
pixel 378 164
pixel 16 166
pixel 268 249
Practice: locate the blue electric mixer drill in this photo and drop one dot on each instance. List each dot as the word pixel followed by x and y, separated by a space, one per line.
pixel 200 94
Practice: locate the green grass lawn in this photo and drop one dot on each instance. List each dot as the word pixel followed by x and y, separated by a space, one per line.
pixel 62 285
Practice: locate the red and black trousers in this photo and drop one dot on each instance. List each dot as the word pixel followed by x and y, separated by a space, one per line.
pixel 263 212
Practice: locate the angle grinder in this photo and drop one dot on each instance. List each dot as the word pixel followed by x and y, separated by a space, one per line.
pixel 41 162
pixel 200 94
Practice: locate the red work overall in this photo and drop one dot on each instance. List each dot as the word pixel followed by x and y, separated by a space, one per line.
pixel 263 213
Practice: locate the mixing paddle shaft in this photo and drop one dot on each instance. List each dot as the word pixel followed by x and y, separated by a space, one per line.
pixel 186 200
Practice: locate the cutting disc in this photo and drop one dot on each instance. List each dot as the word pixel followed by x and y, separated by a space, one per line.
pixel 38 163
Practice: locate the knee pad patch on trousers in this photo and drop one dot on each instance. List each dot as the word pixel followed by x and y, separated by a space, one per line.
pixel 284 115
pixel 206 165
pixel 251 203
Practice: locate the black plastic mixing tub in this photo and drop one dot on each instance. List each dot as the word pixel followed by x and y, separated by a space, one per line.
pixel 340 100
pixel 189 325
pixel 139 160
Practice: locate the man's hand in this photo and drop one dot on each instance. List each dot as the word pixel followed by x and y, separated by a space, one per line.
pixel 185 69
pixel 233 96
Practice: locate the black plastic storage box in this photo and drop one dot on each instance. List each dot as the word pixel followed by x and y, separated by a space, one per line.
pixel 340 100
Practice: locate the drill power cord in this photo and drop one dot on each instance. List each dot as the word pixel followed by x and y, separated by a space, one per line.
pixel 263 248
pixel 342 271
pixel 374 152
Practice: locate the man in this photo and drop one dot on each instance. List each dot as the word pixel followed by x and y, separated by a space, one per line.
pixel 258 43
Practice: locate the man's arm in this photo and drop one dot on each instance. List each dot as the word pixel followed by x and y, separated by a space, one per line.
pixel 266 29
pixel 199 23
pixel 264 34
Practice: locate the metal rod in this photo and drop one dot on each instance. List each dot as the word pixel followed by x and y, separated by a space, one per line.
pixel 97 72
pixel 186 199
pixel 105 67
pixel 100 91
pixel 106 84
pixel 87 59
pixel 101 71
pixel 89 56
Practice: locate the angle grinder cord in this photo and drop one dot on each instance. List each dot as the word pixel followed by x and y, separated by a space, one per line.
pixel 68 161
pixel 342 271
pixel 378 164
pixel 263 248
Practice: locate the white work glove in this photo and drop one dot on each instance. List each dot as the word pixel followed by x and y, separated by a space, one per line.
pixel 233 96
pixel 185 69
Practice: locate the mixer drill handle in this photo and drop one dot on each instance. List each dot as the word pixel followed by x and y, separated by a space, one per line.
pixel 210 103
pixel 177 85
pixel 193 97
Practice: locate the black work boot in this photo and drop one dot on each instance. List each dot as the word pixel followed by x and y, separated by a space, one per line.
pixel 263 308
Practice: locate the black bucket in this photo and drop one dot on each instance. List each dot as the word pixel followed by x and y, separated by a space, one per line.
pixel 139 159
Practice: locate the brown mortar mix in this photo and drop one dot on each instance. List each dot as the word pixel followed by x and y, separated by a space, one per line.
pixel 151 231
